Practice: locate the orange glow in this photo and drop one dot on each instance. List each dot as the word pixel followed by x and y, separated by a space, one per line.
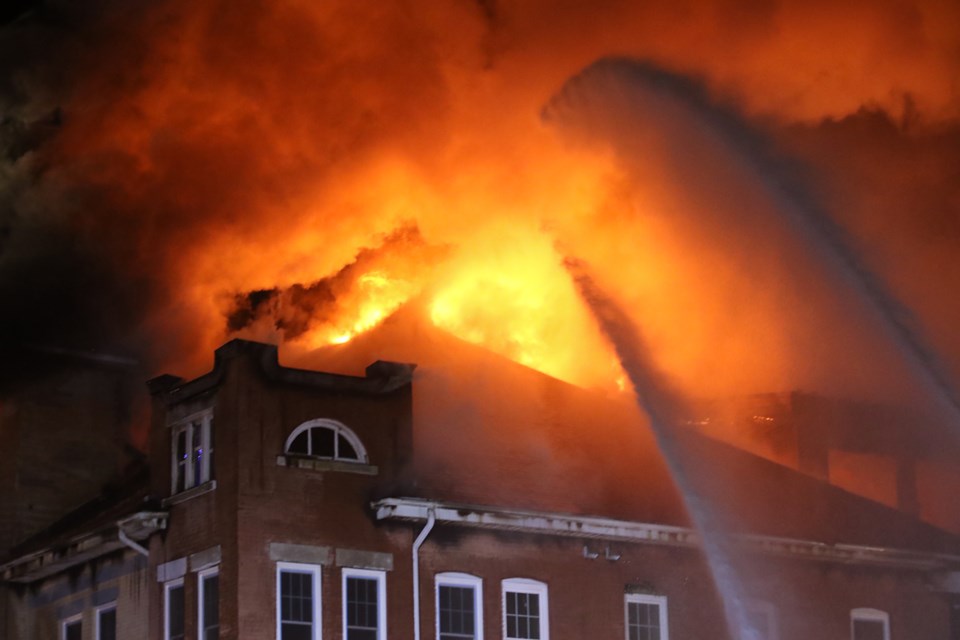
pixel 210 156
pixel 377 296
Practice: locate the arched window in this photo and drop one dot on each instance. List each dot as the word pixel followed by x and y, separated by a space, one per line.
pixel 326 439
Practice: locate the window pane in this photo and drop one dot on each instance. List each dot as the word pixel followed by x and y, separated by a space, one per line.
pixel 211 607
pixel 181 458
pixel 296 597
pixel 868 630
pixel 73 631
pixel 456 613
pixel 362 609
pixel 299 444
pixel 345 450
pixel 210 449
pixel 523 615
pixel 322 442
pixel 107 625
pixel 197 452
pixel 175 612
pixel 295 631
pixel 643 621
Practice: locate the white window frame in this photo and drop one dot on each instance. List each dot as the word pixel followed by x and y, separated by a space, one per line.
pixel 99 611
pixel 870 615
pixel 525 585
pixel 167 587
pixel 68 621
pixel 643 598
pixel 366 574
pixel 338 428
pixel 201 576
pixel 186 426
pixel 454 579
pixel 314 571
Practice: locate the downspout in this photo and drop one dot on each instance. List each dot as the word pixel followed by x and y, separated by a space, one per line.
pixel 431 520
pixel 127 542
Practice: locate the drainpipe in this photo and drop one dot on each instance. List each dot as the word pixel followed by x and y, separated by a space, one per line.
pixel 126 541
pixel 431 520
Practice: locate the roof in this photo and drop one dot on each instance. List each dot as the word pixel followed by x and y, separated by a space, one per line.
pixel 488 431
pixel 96 528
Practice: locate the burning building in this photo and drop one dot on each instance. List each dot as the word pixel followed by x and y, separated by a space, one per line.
pixel 604 211
pixel 466 496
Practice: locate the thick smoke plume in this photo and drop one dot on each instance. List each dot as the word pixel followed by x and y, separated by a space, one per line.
pixel 160 157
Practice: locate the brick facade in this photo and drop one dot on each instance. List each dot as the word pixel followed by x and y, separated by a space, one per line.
pixel 263 507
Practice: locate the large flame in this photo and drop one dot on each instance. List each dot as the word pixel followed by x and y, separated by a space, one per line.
pixel 195 155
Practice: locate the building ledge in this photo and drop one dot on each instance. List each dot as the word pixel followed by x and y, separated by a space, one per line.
pixel 31 567
pixel 190 493
pixel 592 527
pixel 319 464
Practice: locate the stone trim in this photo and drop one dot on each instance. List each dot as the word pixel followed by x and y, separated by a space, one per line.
pixel 319 464
pixel 171 570
pixel 359 559
pixel 302 553
pixel 193 492
pixel 204 559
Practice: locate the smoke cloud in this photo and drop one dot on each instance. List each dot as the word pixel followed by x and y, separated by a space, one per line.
pixel 161 161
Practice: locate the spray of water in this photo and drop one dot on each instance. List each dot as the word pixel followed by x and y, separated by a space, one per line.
pixel 618 82
pixel 664 408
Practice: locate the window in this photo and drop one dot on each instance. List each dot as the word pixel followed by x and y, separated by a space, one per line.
pixel 192 451
pixel 364 605
pixel 646 617
pixel 525 613
pixel 869 624
pixel 72 628
pixel 459 607
pixel 298 601
pixel 173 603
pixel 326 439
pixel 208 604
pixel 106 622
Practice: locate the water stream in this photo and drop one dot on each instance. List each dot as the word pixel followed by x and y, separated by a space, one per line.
pixel 664 409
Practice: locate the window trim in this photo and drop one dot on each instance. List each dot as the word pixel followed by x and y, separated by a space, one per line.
pixel 645 598
pixel 201 576
pixel 525 585
pixel 870 615
pixel 77 617
pixel 338 428
pixel 167 587
pixel 367 574
pixel 314 571
pixel 455 579
pixel 186 425
pixel 97 612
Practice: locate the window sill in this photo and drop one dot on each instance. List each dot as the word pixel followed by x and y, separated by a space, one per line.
pixel 192 492
pixel 316 464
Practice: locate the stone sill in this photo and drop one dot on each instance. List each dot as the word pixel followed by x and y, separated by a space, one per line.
pixel 317 464
pixel 192 492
